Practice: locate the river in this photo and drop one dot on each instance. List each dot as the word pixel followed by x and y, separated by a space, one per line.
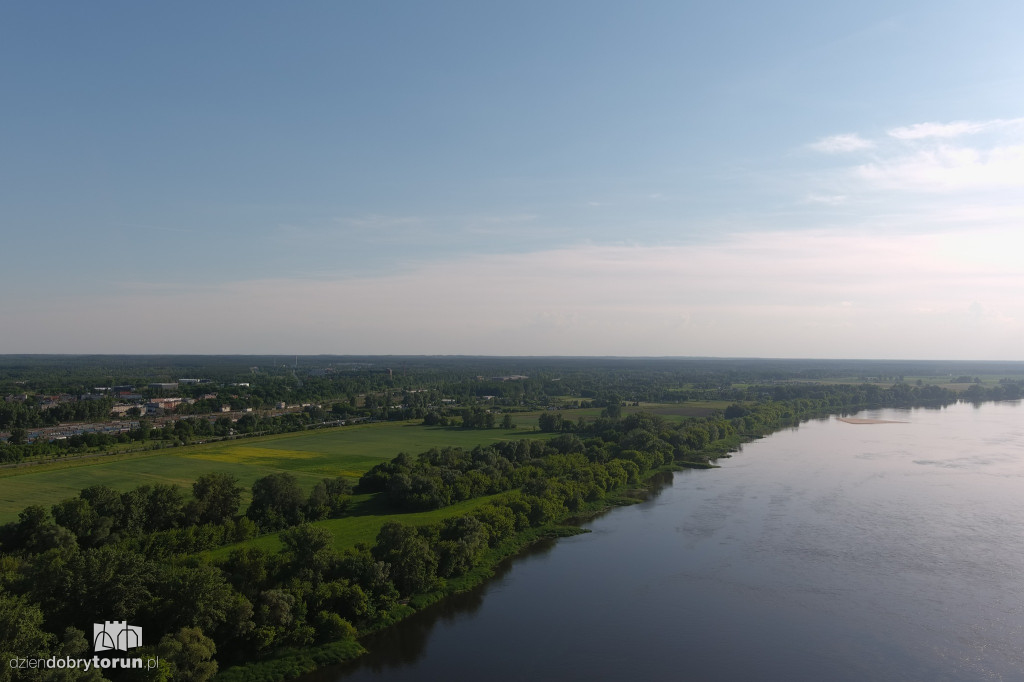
pixel 829 551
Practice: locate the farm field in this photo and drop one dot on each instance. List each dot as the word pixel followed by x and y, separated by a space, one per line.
pixel 309 455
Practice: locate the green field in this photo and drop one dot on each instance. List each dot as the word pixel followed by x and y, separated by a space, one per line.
pixel 309 455
pixel 365 521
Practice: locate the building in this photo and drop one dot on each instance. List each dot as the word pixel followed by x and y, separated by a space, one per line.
pixel 162 405
pixel 170 386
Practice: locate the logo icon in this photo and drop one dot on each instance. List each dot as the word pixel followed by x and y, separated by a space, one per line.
pixel 115 635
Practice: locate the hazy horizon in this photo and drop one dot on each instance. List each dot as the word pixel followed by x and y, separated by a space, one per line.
pixel 287 359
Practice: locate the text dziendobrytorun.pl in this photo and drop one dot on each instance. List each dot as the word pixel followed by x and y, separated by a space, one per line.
pixel 85 664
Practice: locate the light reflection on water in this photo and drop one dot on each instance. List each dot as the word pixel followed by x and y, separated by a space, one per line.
pixel 832 551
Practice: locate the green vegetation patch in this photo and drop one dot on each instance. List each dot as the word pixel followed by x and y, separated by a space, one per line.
pixel 674 412
pixel 309 455
pixel 362 526
pixel 293 663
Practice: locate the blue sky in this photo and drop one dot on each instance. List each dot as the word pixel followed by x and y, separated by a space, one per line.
pixel 791 179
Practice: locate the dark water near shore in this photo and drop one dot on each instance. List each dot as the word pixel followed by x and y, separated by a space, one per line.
pixel 831 551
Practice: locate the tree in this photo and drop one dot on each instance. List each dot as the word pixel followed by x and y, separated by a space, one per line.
pixel 310 551
pixel 249 569
pixel 334 628
pixel 432 418
pixel 190 654
pixel 75 645
pixel 413 563
pixel 194 596
pixel 104 499
pixel 164 507
pixel 218 497
pixel 68 582
pixel 550 422
pixel 276 501
pixel 461 541
pixel 133 511
pixel 280 619
pixel 613 407
pixel 329 498
pixel 36 532
pixel 78 516
pixel 145 430
pixel 638 439
pixel 736 411
pixel 499 522
pixel 566 443
pixel 21 635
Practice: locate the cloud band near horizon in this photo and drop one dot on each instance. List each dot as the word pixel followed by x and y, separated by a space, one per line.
pixel 781 294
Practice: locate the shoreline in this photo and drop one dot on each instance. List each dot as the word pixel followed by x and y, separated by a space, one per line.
pixel 308 663
pixel 855 420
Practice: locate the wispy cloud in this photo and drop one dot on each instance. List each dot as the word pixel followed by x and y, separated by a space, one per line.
pixel 837 144
pixel 944 168
pixel 920 131
pixel 932 157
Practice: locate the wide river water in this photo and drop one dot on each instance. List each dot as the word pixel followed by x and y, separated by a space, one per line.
pixel 826 552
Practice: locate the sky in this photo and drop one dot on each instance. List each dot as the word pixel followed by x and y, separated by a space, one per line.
pixel 646 178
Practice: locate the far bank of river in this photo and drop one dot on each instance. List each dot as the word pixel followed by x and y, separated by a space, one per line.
pixel 832 550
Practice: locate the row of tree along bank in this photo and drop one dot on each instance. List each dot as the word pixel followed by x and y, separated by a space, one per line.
pixel 261 615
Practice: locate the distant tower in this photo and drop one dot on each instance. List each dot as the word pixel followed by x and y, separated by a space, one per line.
pixel 391 374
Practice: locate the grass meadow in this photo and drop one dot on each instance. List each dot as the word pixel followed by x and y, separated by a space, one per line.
pixel 361 525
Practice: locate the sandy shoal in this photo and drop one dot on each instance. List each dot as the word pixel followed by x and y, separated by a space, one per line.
pixel 854 420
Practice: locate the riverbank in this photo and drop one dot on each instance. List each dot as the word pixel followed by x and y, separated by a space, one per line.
pixel 290 663
pixel 828 551
pixel 767 419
